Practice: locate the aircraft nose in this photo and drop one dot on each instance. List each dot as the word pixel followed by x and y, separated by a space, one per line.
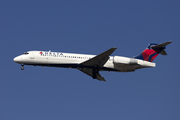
pixel 17 59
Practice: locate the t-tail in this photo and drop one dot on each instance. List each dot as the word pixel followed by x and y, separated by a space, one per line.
pixel 152 51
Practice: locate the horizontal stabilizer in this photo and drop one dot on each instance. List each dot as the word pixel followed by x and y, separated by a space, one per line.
pixel 161 45
pixel 163 52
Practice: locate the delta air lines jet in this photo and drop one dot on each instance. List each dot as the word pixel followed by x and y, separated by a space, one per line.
pixel 92 64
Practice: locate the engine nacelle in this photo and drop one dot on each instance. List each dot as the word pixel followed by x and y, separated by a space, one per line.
pixel 124 60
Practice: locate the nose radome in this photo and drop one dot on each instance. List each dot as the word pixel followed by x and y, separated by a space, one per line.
pixel 17 59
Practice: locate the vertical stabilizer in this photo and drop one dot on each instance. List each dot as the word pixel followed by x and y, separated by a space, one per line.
pixel 152 51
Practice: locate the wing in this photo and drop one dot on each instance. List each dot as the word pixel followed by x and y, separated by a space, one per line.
pixel 90 73
pixel 92 66
pixel 100 59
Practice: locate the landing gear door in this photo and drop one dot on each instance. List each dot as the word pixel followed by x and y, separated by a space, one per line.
pixel 32 55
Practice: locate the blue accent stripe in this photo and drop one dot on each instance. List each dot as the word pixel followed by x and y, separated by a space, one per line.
pixel 139 57
pixel 150 57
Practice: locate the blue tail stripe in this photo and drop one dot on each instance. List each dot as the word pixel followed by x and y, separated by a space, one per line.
pixel 150 57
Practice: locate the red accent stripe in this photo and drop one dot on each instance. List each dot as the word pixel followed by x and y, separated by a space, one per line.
pixel 147 52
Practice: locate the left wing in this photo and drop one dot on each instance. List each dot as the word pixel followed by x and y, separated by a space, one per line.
pixel 100 59
pixel 92 66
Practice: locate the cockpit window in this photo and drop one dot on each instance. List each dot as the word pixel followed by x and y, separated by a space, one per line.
pixel 25 53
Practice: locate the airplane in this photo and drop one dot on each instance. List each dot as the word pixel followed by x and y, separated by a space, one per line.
pixel 92 64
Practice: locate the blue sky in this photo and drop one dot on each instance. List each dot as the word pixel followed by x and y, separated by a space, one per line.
pixel 89 27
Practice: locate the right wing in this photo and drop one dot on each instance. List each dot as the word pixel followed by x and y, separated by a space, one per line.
pixel 90 73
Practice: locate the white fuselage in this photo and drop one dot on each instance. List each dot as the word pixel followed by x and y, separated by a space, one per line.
pixel 70 60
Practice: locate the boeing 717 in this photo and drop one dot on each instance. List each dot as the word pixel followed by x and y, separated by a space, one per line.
pixel 92 64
